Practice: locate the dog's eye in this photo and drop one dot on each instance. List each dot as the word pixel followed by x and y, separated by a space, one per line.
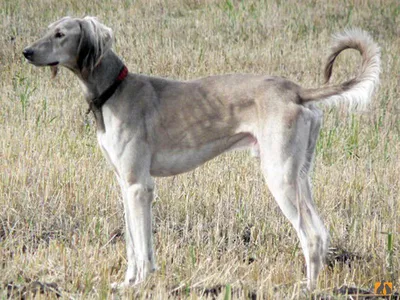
pixel 59 35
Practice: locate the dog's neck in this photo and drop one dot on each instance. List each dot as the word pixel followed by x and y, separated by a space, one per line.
pixel 94 83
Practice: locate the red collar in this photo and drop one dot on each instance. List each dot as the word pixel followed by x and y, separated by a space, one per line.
pixel 122 74
pixel 99 101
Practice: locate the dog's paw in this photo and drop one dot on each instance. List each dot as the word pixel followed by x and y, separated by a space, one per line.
pixel 136 274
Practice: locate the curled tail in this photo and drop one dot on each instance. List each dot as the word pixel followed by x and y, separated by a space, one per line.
pixel 355 92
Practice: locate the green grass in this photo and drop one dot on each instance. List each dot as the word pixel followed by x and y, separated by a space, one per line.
pixel 217 229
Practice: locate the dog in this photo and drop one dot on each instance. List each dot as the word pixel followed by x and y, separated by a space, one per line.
pixel 150 126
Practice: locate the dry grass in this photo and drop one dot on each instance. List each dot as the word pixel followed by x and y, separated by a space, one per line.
pixel 216 228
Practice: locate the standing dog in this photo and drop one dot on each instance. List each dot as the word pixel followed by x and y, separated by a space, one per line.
pixel 149 126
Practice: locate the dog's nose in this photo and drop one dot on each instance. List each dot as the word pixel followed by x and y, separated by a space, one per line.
pixel 28 53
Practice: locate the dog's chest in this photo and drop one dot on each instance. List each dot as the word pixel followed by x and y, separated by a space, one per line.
pixel 108 144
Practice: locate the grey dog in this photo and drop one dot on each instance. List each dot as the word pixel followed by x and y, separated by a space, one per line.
pixel 149 126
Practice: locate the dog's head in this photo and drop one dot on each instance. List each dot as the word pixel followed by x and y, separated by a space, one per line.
pixel 77 44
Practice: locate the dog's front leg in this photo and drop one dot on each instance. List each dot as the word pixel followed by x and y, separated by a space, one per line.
pixel 137 204
pixel 137 196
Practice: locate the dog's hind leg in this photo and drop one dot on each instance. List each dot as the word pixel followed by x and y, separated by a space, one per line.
pixel 310 222
pixel 306 189
pixel 285 147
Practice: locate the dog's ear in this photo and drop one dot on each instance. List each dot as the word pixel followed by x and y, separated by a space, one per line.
pixel 95 40
pixel 86 47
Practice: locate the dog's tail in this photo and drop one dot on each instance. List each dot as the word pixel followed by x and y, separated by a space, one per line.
pixel 356 92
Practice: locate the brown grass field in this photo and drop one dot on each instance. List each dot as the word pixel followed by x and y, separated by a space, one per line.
pixel 217 231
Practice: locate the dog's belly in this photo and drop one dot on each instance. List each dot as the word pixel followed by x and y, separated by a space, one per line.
pixel 170 162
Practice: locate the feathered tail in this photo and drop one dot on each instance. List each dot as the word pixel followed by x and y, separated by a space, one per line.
pixel 356 92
